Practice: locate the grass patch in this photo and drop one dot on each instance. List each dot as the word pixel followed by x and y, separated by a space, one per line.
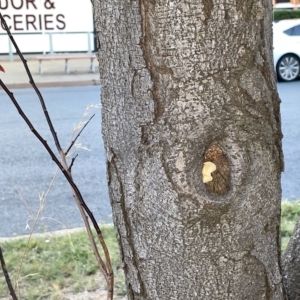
pixel 54 264
pixel 289 216
pixel 58 263
pixel 290 211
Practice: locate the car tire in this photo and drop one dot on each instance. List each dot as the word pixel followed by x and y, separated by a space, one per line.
pixel 288 67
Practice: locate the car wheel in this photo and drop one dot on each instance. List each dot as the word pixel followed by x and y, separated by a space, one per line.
pixel 288 67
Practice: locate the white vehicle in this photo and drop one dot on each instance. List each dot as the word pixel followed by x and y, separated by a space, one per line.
pixel 286 34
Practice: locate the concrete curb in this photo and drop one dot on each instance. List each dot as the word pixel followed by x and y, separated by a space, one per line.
pixel 54 84
pixel 50 234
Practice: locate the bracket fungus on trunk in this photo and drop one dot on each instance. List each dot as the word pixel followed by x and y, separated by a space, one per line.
pixel 216 171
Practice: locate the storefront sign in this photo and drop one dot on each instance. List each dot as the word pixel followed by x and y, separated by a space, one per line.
pixel 32 16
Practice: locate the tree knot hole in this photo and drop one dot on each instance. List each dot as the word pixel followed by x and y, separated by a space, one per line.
pixel 216 171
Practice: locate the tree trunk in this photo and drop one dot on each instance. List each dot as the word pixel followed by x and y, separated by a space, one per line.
pixel 187 82
pixel 291 265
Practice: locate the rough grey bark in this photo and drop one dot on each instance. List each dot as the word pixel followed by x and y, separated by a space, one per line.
pixel 291 265
pixel 180 78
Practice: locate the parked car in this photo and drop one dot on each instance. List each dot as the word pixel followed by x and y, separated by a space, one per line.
pixel 286 34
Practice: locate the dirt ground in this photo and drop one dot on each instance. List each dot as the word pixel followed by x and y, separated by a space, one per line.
pixel 95 295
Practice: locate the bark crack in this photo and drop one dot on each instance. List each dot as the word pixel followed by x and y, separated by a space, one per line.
pixel 146 35
pixel 208 6
pixel 127 224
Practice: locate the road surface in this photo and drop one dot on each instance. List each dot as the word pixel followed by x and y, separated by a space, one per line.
pixel 27 169
pixel 290 121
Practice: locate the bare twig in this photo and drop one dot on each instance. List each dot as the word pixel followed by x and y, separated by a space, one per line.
pixel 106 267
pixel 72 162
pixel 6 275
pixel 107 270
pixel 31 81
pixel 77 136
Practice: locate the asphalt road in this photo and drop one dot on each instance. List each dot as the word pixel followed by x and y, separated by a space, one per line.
pixel 27 169
pixel 290 121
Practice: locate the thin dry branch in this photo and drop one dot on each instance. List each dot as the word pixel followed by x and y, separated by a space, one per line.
pixel 6 275
pixel 106 266
pixel 107 270
pixel 31 81
pixel 72 162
